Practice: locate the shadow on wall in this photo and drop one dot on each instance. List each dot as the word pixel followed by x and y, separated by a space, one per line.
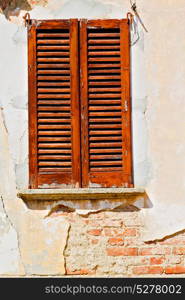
pixel 13 7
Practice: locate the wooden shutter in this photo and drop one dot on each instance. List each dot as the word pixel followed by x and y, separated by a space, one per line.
pixel 105 103
pixel 54 126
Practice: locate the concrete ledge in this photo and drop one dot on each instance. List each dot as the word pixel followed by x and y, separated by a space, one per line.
pixel 80 194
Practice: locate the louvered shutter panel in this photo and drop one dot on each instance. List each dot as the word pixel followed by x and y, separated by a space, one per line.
pixel 54 126
pixel 105 103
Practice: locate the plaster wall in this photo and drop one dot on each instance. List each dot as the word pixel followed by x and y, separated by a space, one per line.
pixel 158 80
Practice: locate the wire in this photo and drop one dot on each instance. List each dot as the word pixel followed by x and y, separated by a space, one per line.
pixel 132 2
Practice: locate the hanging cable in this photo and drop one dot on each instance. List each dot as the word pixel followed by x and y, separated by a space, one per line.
pixel 134 8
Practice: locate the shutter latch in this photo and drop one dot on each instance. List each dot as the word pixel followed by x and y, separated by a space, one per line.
pixel 27 20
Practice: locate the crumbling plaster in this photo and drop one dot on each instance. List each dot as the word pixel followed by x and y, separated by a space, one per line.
pixel 158 77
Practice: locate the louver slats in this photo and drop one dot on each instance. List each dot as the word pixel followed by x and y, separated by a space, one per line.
pixel 105 108
pixel 54 105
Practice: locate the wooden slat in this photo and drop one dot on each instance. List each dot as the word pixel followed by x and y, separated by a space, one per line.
pixel 102 102
pixel 53 72
pixel 46 54
pixel 59 77
pixel 107 156
pixel 103 53
pixel 106 144
pixel 46 35
pixel 105 71
pixel 56 170
pixel 108 65
pixel 109 169
pixel 55 90
pixel 56 120
pixel 99 34
pixel 54 96
pixel 102 41
pixel 105 138
pixel 104 114
pixel 103 47
pixel 104 132
pixel 55 157
pixel 105 77
pixel 104 83
pixel 54 108
pixel 54 84
pixel 54 163
pixel 105 96
pixel 95 126
pixel 54 145
pixel 54 114
pixel 53 66
pixel 54 139
pixel 52 59
pixel 51 42
pixel 104 59
pixel 52 47
pixel 51 126
pixel 53 133
pixel 104 120
pixel 107 108
pixel 54 151
pixel 104 151
pixel 106 163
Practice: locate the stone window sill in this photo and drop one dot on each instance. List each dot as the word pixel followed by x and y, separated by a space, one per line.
pixel 80 194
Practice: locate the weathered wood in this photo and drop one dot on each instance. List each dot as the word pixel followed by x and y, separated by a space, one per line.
pixel 32 107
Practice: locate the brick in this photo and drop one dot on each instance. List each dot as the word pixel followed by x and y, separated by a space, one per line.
pixel 113 232
pixel 155 251
pixel 95 232
pixel 139 270
pixel 94 242
pixel 122 251
pixel 179 250
pixel 156 260
pixel 173 260
pixel 115 241
pixel 80 272
pixel 111 223
pixel 175 270
pixel 133 242
pixel 130 232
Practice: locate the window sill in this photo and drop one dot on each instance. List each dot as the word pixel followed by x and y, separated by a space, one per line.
pixel 80 194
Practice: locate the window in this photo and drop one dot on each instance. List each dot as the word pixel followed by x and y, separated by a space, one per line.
pixel 79 104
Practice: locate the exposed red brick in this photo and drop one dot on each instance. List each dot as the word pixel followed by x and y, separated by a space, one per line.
pixel 175 270
pixel 130 232
pixel 140 270
pixel 122 251
pixel 94 242
pixel 179 250
pixel 156 260
pixel 115 241
pixel 114 232
pixel 94 231
pixel 80 272
pixel 155 251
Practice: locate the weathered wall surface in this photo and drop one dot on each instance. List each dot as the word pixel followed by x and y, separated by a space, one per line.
pixel 37 242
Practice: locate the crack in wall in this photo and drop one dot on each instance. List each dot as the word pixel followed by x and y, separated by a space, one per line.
pixel 65 248
pixel 165 237
pixel 17 234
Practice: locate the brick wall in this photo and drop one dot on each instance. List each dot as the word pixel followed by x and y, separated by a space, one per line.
pixel 110 244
